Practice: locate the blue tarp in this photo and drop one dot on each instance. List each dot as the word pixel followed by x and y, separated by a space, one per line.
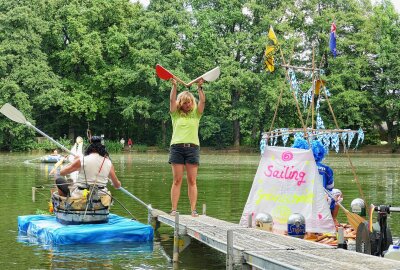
pixel 118 229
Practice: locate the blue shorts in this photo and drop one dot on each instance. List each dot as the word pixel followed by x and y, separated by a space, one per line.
pixel 179 154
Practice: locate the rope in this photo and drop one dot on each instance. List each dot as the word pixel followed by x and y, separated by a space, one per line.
pixel 133 217
pixel 347 154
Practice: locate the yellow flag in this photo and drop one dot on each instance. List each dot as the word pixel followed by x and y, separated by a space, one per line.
pixel 318 85
pixel 272 36
pixel 269 51
pixel 269 63
pixel 269 57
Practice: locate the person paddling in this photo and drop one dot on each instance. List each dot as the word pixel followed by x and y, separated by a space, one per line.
pixel 94 169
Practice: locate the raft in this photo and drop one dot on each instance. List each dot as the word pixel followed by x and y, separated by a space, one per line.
pixel 47 230
pixel 51 159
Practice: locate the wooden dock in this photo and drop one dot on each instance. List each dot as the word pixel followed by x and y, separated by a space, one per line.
pixel 264 250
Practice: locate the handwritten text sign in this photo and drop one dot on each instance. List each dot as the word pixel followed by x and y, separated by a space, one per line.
pixel 287 181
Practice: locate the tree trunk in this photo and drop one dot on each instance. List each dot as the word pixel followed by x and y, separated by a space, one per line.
pixel 71 132
pixel 236 122
pixel 236 133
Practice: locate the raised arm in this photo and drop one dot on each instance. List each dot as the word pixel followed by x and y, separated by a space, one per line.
pixel 202 96
pixel 172 97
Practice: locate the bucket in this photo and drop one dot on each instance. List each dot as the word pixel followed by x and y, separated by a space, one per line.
pixel 358 207
pixel 296 225
pixel 264 222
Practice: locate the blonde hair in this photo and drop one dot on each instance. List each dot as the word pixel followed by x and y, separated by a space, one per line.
pixel 184 97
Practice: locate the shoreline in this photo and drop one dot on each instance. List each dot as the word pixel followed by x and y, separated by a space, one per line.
pixel 366 149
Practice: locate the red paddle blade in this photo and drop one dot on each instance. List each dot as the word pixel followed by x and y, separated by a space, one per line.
pixel 163 73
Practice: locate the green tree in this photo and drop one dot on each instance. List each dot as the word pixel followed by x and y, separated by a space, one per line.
pixel 27 81
pixel 385 26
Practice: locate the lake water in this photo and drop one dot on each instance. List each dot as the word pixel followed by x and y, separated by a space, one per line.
pixel 224 182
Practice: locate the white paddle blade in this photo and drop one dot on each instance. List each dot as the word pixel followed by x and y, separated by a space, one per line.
pixel 211 75
pixel 12 113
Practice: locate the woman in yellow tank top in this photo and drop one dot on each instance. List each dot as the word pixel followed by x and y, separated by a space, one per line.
pixel 185 145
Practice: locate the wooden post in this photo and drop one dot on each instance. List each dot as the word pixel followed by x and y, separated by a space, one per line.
pixel 250 220
pixel 229 250
pixel 204 209
pixel 149 215
pixel 340 238
pixel 33 194
pixel 175 256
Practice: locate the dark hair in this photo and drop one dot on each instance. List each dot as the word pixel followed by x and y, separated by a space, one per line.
pixel 96 147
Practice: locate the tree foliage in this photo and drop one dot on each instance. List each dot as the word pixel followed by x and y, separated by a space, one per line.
pixel 70 65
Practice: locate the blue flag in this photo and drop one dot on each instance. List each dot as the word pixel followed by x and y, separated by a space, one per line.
pixel 332 40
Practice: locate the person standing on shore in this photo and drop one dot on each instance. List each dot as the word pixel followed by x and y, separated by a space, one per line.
pixel 185 145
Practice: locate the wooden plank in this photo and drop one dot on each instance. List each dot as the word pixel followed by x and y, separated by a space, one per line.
pixel 267 250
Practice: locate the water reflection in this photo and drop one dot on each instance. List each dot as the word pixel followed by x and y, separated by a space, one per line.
pixel 101 255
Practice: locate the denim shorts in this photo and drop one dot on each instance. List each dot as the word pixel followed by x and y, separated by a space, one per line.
pixel 184 155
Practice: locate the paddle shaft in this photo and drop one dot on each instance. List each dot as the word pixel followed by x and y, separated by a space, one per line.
pixel 194 81
pixel 333 198
pixel 136 198
pixel 48 137
pixel 180 81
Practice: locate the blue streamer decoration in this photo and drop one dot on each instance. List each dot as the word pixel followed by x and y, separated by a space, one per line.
pixel 335 141
pixel 360 138
pixel 344 138
pixel 293 82
pixel 285 135
pixel 350 138
pixel 271 140
pixel 298 135
pixel 263 144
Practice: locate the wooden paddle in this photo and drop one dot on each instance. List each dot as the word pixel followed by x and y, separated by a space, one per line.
pixel 209 76
pixel 354 219
pixel 57 165
pixel 165 74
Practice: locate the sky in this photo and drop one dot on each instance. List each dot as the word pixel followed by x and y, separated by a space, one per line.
pixel 396 3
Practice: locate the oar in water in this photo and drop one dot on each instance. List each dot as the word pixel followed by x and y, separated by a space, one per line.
pixel 15 115
pixel 354 219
